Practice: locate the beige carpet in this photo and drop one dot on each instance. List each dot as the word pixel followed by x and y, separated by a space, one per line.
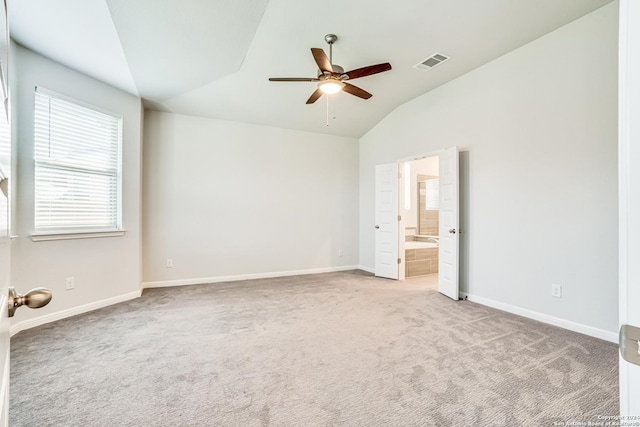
pixel 338 349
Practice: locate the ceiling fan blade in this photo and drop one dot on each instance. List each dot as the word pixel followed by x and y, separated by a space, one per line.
pixel 293 79
pixel 321 59
pixel 367 71
pixel 314 96
pixel 355 90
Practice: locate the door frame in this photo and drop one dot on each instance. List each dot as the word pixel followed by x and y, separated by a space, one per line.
pixel 629 199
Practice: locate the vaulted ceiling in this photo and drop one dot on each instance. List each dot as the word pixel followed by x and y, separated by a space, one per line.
pixel 213 58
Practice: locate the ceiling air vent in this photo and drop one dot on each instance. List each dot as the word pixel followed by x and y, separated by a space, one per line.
pixel 430 62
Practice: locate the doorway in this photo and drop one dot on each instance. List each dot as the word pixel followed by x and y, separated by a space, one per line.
pixel 390 237
pixel 419 209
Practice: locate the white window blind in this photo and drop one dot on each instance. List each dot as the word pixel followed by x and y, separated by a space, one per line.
pixel 433 195
pixel 77 153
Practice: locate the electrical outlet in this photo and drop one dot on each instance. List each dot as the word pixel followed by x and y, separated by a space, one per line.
pixel 169 263
pixel 70 283
pixel 556 291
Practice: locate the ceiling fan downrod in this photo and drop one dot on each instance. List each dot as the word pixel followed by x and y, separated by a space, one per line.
pixel 330 39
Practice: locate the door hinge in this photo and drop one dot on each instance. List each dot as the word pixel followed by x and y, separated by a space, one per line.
pixel 399 261
pixel 399 218
pixel 629 340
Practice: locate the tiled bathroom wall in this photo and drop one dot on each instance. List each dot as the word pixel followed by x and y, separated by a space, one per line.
pixel 420 261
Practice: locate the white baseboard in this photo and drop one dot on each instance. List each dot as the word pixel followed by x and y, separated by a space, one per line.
pixel 59 315
pixel 235 278
pixel 545 318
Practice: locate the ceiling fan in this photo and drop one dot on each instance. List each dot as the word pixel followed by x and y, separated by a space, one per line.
pixel 331 77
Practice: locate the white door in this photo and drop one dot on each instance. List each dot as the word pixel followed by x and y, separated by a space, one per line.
pixel 449 232
pixel 386 226
pixel 629 191
pixel 403 193
pixel 5 252
pixel 5 247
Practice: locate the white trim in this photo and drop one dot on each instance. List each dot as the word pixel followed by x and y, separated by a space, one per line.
pixel 545 318
pixel 422 156
pixel 628 132
pixel 102 179
pixel 61 235
pixel 218 279
pixel 4 390
pixel 59 315
pixel 53 94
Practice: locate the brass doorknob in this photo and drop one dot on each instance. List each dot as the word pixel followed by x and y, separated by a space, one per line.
pixel 35 298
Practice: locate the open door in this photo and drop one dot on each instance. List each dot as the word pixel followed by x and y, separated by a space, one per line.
pixel 5 256
pixel 629 210
pixel 386 227
pixel 449 231
pixel 5 244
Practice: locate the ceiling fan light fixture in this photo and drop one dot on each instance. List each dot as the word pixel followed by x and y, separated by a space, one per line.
pixel 331 77
pixel 330 86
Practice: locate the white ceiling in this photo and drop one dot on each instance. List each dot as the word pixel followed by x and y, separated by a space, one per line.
pixel 213 58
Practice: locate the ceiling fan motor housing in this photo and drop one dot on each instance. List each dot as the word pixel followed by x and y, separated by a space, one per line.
pixel 336 70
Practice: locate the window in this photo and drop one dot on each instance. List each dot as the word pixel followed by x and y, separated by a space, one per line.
pixel 433 194
pixel 77 152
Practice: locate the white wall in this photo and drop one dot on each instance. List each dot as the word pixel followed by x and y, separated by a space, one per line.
pixel 539 173
pixel 103 268
pixel 231 199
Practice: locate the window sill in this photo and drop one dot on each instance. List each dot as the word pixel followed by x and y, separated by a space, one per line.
pixel 69 235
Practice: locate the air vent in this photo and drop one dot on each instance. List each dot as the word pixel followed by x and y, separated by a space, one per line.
pixel 432 61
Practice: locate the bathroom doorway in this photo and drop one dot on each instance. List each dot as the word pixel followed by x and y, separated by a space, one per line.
pixel 397 221
pixel 419 207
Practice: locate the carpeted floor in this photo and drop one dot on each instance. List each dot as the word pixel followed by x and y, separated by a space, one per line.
pixel 337 349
